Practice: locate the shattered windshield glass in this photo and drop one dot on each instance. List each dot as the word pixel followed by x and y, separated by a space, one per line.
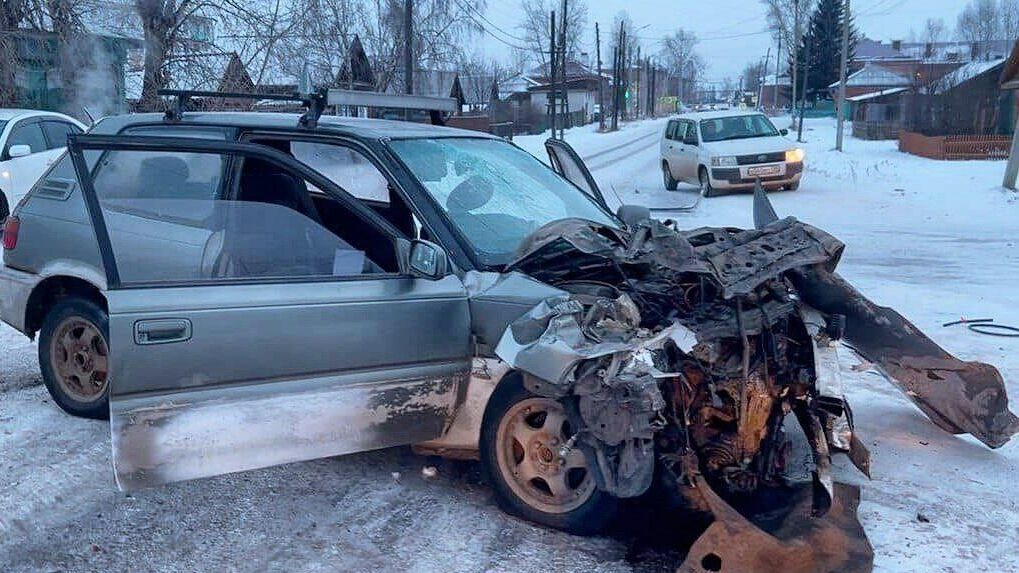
pixel 495 193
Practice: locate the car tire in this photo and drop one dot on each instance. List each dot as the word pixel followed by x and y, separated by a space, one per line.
pixel 670 182
pixel 5 209
pixel 515 415
pixel 706 189
pixel 74 357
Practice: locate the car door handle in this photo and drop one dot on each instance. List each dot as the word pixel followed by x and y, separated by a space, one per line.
pixel 162 331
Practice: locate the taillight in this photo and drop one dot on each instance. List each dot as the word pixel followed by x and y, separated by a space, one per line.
pixel 11 227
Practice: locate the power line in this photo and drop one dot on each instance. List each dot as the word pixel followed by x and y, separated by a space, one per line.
pixel 490 23
pixel 486 29
pixel 711 38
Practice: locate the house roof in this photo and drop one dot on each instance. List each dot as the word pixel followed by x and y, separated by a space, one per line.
pixel 877 94
pixel 782 80
pixel 363 76
pixel 867 49
pixel 875 75
pixel 969 71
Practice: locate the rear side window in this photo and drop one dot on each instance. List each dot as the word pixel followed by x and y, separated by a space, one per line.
pixel 29 134
pixel 159 175
pixel 680 132
pixel 670 131
pixel 57 131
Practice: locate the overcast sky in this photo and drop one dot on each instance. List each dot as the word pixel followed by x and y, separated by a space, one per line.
pixel 732 32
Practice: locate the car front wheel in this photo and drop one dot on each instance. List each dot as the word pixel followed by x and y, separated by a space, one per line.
pixel 706 189
pixel 74 357
pixel 670 182
pixel 522 436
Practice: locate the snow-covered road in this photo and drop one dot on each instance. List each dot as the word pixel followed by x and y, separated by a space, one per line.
pixel 934 240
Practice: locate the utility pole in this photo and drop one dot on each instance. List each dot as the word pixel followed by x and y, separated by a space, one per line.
pixel 649 86
pixel 652 99
pixel 552 75
pixel 795 51
pixel 778 63
pixel 636 89
pixel 803 96
pixel 615 87
pixel 563 64
pixel 842 77
pixel 601 82
pixel 760 80
pixel 624 72
pixel 618 72
pixel 408 50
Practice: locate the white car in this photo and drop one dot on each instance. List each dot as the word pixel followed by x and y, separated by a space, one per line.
pixel 729 151
pixel 30 141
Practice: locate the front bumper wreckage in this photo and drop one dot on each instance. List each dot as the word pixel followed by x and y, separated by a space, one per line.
pixel 682 353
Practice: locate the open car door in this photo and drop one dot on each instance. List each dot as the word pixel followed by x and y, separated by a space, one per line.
pixel 567 163
pixel 246 333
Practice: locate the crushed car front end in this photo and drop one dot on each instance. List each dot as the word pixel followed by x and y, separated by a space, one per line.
pixel 684 353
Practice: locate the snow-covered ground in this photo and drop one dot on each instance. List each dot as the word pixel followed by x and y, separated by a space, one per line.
pixel 935 240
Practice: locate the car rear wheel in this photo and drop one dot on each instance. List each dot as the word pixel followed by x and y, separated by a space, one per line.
pixel 706 189
pixel 670 182
pixel 4 209
pixel 521 439
pixel 74 357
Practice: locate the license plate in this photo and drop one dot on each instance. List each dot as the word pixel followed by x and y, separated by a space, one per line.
pixel 764 171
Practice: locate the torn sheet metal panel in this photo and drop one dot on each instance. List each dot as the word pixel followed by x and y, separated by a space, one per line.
pixel 203 433
pixel 497 299
pixel 742 260
pixel 958 396
pixel 800 543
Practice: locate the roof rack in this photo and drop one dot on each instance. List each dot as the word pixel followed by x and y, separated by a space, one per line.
pixel 316 102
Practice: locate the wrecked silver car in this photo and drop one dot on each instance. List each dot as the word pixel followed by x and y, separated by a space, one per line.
pixel 242 290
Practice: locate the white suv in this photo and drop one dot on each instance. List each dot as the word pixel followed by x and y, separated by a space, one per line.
pixel 729 150
pixel 30 141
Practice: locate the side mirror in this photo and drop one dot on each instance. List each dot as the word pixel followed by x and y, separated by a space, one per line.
pixel 19 151
pixel 427 260
pixel 784 132
pixel 690 140
pixel 633 215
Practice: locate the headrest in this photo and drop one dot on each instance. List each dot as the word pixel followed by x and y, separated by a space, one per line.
pixel 470 194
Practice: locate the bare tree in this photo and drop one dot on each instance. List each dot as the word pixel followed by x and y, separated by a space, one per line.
pixel 13 14
pixel 535 28
pixel 1009 10
pixel 678 54
pixel 477 76
pixel 788 29
pixel 753 74
pixel 979 25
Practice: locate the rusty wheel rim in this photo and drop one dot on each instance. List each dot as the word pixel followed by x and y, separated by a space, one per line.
pixel 529 438
pixel 80 358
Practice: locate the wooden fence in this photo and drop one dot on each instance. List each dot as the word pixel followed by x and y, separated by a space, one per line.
pixel 955 147
pixel 874 130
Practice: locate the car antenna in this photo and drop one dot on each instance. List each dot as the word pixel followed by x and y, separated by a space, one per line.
pixel 88 114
